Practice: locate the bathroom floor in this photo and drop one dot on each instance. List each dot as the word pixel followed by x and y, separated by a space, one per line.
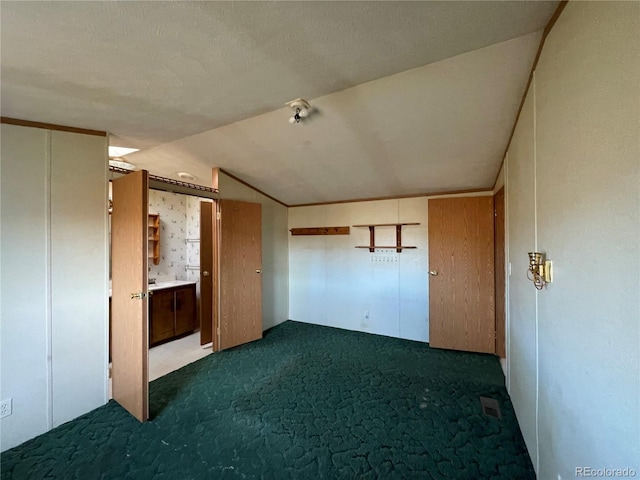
pixel 171 356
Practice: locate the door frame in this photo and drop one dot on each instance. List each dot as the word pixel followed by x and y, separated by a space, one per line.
pixel 195 193
pixel 216 276
pixel 500 275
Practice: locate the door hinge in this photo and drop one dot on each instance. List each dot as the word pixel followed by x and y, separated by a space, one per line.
pixel 218 331
pixel 217 215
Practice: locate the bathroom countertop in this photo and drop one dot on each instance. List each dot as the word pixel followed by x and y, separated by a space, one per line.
pixel 172 283
pixel 162 285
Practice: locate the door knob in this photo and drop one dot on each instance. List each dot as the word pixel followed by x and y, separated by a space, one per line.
pixel 433 273
pixel 205 274
pixel 258 271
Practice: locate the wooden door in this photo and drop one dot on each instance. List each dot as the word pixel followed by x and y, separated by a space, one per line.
pixel 461 286
pixel 206 272
pixel 240 279
pixel 499 256
pixel 129 247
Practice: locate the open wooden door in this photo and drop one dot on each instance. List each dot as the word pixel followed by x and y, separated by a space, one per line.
pixel 461 285
pixel 206 272
pixel 240 269
pixel 129 298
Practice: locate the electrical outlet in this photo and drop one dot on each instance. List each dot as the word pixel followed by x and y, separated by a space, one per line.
pixel 5 408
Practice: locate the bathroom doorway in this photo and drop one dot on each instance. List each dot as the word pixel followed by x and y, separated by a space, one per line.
pixel 138 236
pixel 175 280
pixel 173 271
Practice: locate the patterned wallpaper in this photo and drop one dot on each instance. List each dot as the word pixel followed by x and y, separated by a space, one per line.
pixel 193 237
pixel 179 237
pixel 172 208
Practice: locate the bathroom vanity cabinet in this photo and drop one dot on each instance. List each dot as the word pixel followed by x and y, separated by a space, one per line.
pixel 172 311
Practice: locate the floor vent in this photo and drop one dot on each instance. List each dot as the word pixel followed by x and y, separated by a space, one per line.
pixel 490 407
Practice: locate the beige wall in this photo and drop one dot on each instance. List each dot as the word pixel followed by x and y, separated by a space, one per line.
pixel 275 259
pixel 521 295
pixel 54 279
pixel 573 178
pixel 333 283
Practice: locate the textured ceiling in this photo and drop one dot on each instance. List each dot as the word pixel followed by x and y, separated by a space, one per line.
pixel 440 127
pixel 411 96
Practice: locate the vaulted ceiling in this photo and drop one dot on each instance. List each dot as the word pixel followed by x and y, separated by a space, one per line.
pixel 409 96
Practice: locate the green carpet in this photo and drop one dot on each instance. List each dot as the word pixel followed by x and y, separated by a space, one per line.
pixel 306 402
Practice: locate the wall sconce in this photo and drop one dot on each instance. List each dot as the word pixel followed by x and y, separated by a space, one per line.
pixel 540 271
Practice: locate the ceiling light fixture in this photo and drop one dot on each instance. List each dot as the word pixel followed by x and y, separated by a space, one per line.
pixel 301 108
pixel 186 176
pixel 120 151
pixel 121 163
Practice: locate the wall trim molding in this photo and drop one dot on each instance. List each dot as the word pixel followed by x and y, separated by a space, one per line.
pixel 354 200
pixel 545 33
pixel 495 182
pixel 396 197
pixel 248 185
pixel 51 126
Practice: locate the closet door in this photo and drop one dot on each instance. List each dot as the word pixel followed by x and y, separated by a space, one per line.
pixel 461 267
pixel 240 264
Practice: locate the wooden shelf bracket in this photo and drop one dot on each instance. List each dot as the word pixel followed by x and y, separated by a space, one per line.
pixel 372 236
